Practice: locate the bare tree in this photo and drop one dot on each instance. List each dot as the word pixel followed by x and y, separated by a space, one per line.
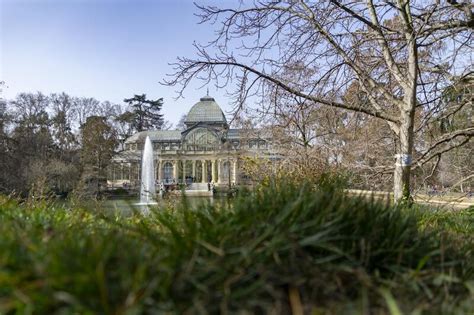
pixel 2 86
pixel 402 54
pixel 181 125
pixel 30 109
pixel 85 107
pixel 452 163
pixel 167 125
pixel 109 110
pixel 305 131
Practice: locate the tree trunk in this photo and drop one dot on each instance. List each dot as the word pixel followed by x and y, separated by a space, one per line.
pixel 401 187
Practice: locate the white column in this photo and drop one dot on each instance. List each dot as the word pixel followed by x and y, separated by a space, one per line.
pixel 184 171
pixel 162 165
pixel 203 163
pixel 235 175
pixel 175 170
pixel 214 179
pixel 158 170
pixel 194 168
pixel 219 171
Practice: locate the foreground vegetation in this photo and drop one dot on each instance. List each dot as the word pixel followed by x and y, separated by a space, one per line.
pixel 281 249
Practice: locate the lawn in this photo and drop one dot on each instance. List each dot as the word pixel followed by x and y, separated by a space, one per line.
pixel 279 249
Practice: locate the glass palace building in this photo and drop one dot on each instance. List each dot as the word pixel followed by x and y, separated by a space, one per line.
pixel 207 151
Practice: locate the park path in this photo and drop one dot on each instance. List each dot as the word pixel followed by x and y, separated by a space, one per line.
pixel 446 201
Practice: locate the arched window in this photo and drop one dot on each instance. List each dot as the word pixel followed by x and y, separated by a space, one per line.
pixel 226 171
pixel 201 139
pixel 167 171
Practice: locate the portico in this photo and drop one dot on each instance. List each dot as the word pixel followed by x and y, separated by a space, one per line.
pixel 198 170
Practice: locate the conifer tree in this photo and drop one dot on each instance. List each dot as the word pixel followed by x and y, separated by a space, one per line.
pixel 146 113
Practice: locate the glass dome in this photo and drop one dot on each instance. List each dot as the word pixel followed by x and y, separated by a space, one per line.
pixel 206 110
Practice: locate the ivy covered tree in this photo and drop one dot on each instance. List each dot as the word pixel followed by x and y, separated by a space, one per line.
pixel 99 140
pixel 61 120
pixel 144 114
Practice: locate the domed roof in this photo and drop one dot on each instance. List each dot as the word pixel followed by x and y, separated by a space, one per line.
pixel 206 110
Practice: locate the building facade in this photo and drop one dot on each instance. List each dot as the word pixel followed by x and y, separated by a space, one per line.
pixel 207 151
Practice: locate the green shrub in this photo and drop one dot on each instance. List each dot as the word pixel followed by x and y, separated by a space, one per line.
pixel 264 251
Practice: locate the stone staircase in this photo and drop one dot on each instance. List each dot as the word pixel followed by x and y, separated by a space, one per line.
pixel 198 187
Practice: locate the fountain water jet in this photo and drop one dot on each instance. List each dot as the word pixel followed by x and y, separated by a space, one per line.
pixel 147 185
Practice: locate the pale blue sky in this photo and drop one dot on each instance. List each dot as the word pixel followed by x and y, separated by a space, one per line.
pixel 107 49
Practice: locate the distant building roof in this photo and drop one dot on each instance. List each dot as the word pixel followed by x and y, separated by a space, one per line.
pixel 206 110
pixel 156 135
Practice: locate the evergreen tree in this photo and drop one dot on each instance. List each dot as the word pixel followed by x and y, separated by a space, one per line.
pixel 145 113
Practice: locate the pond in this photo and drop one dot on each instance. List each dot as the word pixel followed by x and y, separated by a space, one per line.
pixel 129 205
